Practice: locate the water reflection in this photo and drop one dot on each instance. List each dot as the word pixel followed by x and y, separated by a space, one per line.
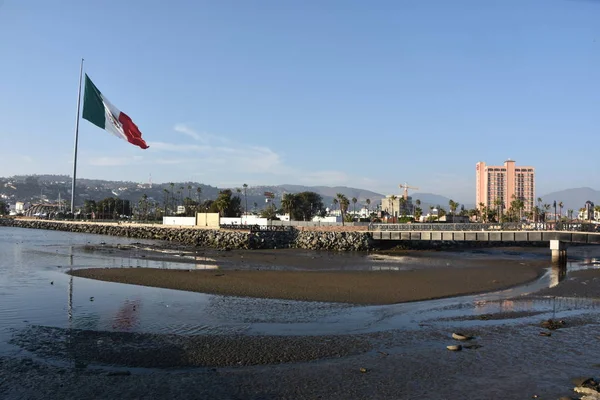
pixel 558 272
pixel 28 263
pixel 128 315
pixel 201 263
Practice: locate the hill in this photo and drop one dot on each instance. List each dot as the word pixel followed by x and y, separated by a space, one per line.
pixel 572 198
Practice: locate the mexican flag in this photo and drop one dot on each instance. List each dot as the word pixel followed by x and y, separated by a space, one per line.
pixel 98 110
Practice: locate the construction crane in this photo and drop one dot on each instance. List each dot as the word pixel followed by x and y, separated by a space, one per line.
pixel 406 187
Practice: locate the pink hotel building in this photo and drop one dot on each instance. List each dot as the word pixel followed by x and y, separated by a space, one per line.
pixel 503 182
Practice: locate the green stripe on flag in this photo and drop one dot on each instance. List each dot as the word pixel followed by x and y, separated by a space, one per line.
pixel 93 107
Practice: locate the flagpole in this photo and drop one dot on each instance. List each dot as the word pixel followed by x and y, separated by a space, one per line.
pixel 76 139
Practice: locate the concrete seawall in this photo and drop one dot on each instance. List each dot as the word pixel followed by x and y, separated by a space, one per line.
pixel 313 240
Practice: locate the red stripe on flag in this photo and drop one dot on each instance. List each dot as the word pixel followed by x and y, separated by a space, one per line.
pixel 134 136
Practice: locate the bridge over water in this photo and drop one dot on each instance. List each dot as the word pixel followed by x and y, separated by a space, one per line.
pixel 556 234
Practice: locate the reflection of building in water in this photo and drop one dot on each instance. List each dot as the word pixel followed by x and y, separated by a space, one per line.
pixel 128 315
pixel 557 273
pixel 507 305
pixel 385 268
pixel 494 306
pixel 201 263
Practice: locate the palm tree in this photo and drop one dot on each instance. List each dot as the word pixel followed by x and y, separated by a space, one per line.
pixel 560 207
pixel 498 203
pixel 144 205
pixel 172 195
pixel 288 203
pixel 418 212
pixel 453 206
pixel 483 211
pixel 166 191
pixel 570 212
pixel 392 199
pixel 198 193
pixel 190 192
pixel 354 200
pixel 245 185
pixel 546 209
pixel 403 202
pixel 335 202
pixel 368 201
pixel 344 203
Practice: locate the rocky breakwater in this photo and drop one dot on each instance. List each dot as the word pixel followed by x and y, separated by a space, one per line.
pixel 342 241
pixel 214 238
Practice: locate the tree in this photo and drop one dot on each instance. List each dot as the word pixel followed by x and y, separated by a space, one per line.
pixel 392 200
pixel 368 201
pixel 89 206
pixel 226 204
pixel 344 203
pixel 143 204
pixel 269 212
pixel 418 213
pixel 354 200
pixel 198 193
pixel 451 206
pixel 402 201
pixel 499 204
pixel 307 205
pixel 245 185
pixel 4 208
pixel 546 209
pixel 288 203
pixel 483 212
pixel 190 191
pixel 560 207
pixel 172 205
pixel 166 200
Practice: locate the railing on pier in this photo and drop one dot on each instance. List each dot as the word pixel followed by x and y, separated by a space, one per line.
pixel 505 226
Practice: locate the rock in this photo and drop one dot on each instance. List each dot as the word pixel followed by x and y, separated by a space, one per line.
pixel 454 347
pixel 552 325
pixel 584 381
pixel 461 336
pixel 364 370
pixel 586 390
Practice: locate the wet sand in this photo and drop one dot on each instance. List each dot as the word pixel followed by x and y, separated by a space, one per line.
pixel 356 287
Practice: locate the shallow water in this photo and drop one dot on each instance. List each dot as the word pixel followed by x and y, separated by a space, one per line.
pixel 35 290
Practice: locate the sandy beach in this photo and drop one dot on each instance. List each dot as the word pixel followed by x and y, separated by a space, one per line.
pixel 356 287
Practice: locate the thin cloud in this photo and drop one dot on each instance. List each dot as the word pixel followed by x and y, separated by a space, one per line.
pixel 114 161
pixel 198 136
pixel 229 160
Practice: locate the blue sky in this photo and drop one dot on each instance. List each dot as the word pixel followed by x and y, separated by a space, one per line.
pixel 354 93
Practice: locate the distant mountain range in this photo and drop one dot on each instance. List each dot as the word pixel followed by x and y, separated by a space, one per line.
pixel 33 187
pixel 573 199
